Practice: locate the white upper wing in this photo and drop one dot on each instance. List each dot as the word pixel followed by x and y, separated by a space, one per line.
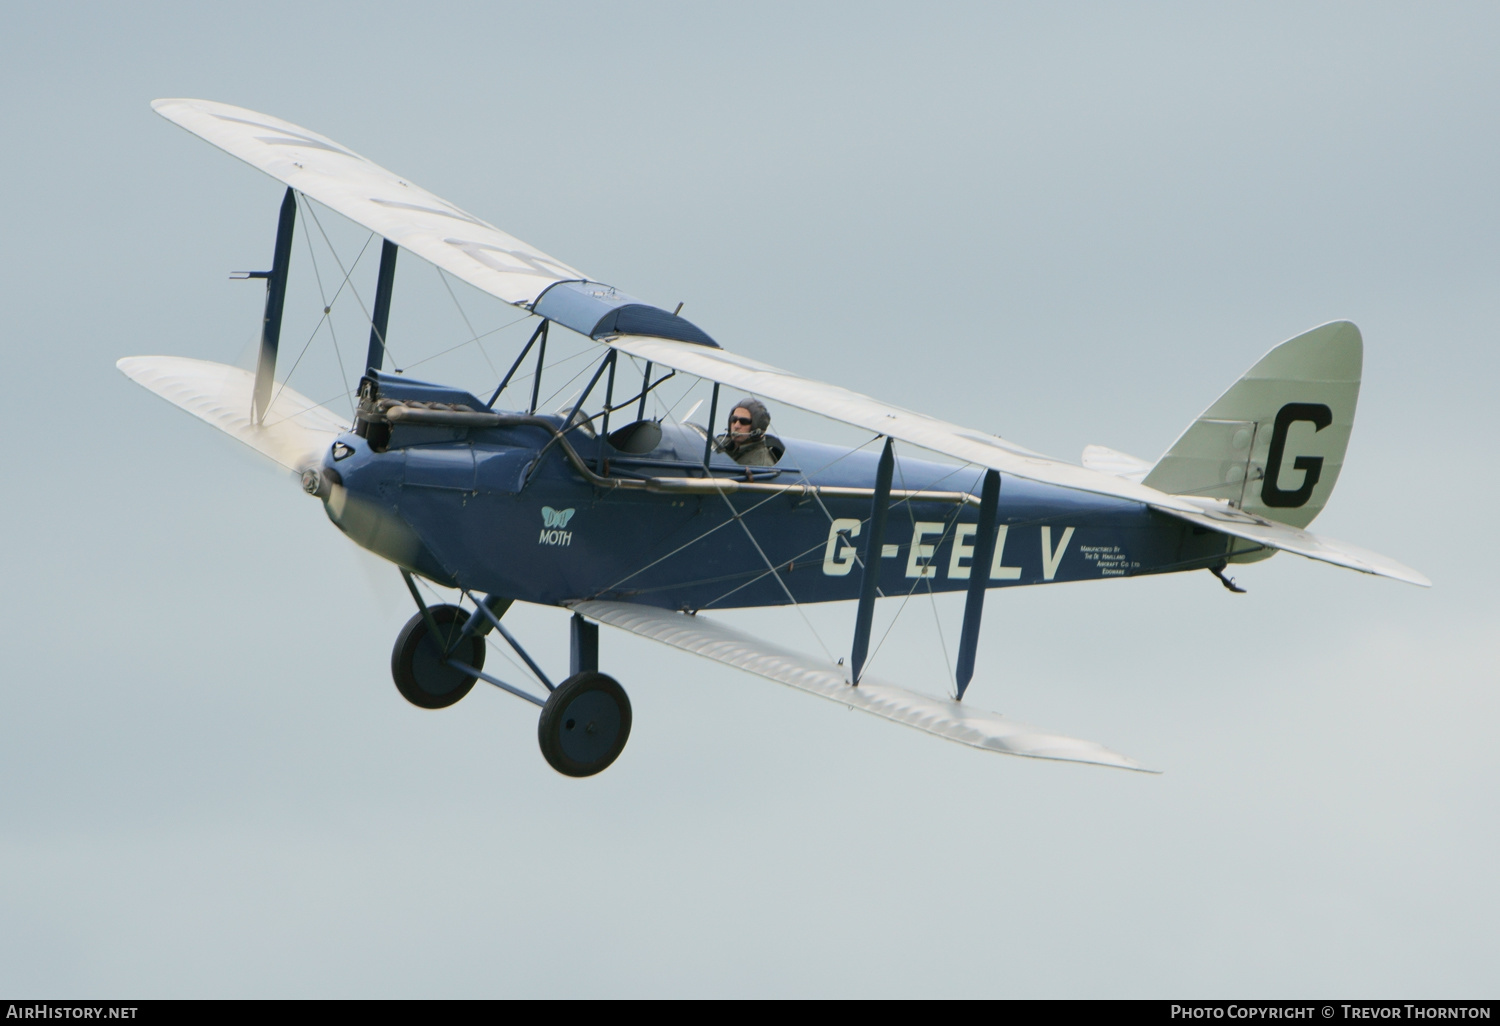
pixel 368 194
pixel 882 418
pixel 1112 461
pixel 952 720
pixel 504 266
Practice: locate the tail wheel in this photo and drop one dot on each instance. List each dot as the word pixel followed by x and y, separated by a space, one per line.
pixel 585 724
pixel 417 665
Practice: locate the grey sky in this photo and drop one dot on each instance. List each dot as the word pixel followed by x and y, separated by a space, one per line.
pixel 1067 226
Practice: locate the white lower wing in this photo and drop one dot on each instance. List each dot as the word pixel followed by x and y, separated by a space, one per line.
pixel 1227 520
pixel 296 430
pixel 841 404
pixel 951 720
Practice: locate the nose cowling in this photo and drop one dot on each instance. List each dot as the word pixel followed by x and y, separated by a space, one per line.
pixel 352 499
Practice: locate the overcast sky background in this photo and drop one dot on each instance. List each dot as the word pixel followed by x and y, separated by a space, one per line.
pixel 1064 224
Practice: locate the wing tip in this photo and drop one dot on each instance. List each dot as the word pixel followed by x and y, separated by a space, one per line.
pixel 1094 754
pixel 1122 763
pixel 131 366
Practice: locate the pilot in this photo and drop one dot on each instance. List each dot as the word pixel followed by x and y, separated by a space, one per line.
pixel 745 441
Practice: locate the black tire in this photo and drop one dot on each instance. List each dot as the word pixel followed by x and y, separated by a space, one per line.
pixel 584 725
pixel 421 676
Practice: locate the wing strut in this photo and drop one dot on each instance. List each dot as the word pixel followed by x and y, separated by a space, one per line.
pixel 708 436
pixel 609 398
pixel 270 325
pixel 880 505
pixel 583 646
pixel 541 359
pixel 382 316
pixel 979 579
pixel 541 330
pixel 645 390
pixel 607 362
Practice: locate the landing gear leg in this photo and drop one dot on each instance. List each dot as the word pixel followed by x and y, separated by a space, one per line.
pixel 419 660
pixel 439 656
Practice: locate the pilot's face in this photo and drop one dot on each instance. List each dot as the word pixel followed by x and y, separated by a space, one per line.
pixel 740 423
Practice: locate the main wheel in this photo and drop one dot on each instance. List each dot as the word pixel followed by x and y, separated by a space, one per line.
pixel 417 664
pixel 584 724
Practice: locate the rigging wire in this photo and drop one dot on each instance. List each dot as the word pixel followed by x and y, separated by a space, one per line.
pixel 312 258
pixel 582 371
pixel 474 337
pixel 711 530
pixel 770 566
pixel 369 319
pixel 918 582
pixel 326 308
pixel 817 498
pixel 470 341
pixel 925 578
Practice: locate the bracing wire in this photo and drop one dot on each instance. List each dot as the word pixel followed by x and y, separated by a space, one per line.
pixel 369 318
pixel 819 500
pixel 327 307
pixel 473 335
pixel 470 341
pixel 346 282
pixel 926 579
pixel 772 567
pixel 921 578
pixel 312 258
pixel 581 372
pixel 711 530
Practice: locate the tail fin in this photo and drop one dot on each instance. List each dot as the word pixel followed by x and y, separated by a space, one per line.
pixel 1273 445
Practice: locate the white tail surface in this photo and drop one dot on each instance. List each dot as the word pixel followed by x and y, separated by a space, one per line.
pixel 1112 461
pixel 1273 445
pixel 1268 537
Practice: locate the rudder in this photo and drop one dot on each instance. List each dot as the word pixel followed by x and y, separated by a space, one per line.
pixel 1273 445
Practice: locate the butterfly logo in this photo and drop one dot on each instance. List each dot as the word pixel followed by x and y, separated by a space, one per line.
pixel 557 518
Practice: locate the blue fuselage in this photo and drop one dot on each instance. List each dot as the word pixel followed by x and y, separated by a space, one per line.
pixel 502 511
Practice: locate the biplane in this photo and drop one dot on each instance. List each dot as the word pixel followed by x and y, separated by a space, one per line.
pixel 640 520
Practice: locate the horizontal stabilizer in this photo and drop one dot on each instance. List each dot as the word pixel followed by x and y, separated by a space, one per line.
pixel 952 720
pixel 296 430
pixel 1112 461
pixel 1221 517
